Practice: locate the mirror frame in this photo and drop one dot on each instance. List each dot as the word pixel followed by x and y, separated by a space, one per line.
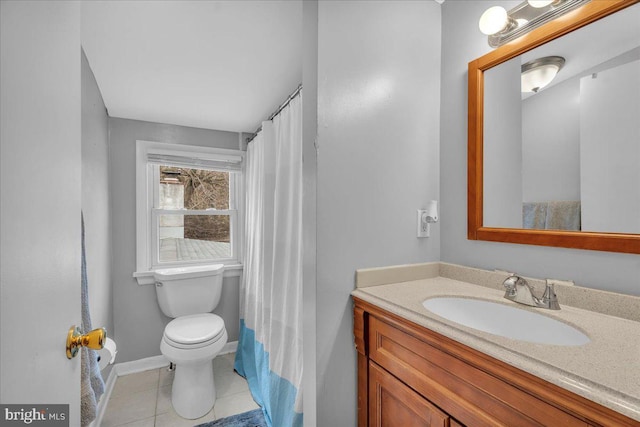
pixel 611 242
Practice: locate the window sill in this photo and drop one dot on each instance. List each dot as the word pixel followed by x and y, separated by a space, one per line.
pixel 146 277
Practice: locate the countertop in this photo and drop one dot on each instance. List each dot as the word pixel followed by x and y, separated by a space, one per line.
pixel 605 370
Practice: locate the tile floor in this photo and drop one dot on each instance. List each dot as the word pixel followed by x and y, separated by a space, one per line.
pixel 144 399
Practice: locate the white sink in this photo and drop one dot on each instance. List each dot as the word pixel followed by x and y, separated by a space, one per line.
pixel 506 321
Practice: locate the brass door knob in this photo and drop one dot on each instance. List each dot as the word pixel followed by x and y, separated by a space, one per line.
pixel 94 340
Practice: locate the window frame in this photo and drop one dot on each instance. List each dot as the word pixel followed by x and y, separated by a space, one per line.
pixel 147 214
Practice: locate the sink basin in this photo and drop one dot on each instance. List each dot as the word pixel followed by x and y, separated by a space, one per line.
pixel 506 321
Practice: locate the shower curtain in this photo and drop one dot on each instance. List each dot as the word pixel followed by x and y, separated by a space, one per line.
pixel 269 351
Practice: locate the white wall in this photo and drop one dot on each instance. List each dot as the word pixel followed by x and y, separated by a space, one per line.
pixel 610 149
pixel 551 143
pixel 461 43
pixel 95 200
pixel 378 161
pixel 39 225
pixel 138 321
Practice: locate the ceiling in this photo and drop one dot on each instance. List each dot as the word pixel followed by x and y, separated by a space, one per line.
pixel 222 65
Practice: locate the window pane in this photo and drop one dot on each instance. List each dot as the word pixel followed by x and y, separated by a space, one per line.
pixel 193 189
pixel 194 237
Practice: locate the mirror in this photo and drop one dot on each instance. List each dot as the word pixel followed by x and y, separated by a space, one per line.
pixel 559 165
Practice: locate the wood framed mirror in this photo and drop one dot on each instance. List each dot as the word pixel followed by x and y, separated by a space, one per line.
pixel 478 228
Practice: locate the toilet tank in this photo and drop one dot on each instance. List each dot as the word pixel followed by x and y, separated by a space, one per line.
pixel 189 290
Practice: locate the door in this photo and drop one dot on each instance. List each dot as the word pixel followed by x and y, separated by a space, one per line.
pixel 40 202
pixel 394 404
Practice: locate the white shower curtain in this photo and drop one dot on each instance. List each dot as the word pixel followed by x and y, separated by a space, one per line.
pixel 270 345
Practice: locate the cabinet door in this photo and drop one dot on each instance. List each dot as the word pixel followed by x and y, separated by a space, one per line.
pixel 393 404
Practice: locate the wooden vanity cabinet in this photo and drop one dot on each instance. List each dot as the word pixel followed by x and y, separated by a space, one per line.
pixel 410 376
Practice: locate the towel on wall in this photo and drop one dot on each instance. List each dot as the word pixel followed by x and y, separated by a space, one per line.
pixel 91 382
pixel 534 215
pixel 563 215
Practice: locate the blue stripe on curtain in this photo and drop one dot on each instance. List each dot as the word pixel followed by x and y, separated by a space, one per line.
pixel 273 393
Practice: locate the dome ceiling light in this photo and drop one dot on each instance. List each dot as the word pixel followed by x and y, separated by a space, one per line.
pixel 540 72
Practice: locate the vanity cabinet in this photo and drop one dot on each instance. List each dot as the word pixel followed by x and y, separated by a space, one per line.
pixel 409 375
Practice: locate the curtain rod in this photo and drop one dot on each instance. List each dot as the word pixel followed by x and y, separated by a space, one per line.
pixel 275 113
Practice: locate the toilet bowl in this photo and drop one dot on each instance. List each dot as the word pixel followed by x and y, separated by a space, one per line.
pixel 192 342
pixel 193 339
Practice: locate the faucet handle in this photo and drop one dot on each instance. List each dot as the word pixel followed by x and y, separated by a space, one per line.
pixel 549 298
pixel 510 283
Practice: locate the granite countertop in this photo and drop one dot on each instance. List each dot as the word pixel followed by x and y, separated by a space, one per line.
pixel 605 370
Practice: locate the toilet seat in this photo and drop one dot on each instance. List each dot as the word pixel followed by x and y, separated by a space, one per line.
pixel 194 331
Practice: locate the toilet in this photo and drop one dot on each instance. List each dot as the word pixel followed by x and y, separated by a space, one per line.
pixel 195 335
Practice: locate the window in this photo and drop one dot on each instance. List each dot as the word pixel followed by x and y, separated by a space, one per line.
pixel 192 215
pixel 187 207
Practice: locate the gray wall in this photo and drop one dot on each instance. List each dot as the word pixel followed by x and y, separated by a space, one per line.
pixel 461 43
pixel 551 143
pixel 138 321
pixel 503 146
pixel 610 150
pixel 378 162
pixel 309 181
pixel 95 199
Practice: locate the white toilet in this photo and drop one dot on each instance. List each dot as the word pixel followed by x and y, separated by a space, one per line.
pixel 193 339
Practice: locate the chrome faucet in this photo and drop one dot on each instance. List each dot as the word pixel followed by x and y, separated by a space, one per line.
pixel 518 290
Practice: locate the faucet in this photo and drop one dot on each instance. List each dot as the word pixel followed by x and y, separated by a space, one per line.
pixel 518 290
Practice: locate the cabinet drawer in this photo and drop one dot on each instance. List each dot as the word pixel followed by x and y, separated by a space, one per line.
pixel 393 404
pixel 471 395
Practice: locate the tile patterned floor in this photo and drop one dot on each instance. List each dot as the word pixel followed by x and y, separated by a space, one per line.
pixel 144 399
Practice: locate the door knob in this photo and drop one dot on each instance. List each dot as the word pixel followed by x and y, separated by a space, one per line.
pixel 93 340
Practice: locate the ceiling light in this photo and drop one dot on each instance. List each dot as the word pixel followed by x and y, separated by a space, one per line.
pixel 540 72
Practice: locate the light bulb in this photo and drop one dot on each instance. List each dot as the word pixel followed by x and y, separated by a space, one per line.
pixel 493 20
pixel 539 3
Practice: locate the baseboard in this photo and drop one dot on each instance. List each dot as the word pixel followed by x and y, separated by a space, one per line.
pixel 141 365
pixel 156 362
pixel 230 347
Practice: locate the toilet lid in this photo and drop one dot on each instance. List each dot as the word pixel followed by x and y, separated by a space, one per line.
pixel 195 329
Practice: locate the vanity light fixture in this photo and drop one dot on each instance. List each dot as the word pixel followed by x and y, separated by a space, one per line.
pixel 502 26
pixel 540 72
